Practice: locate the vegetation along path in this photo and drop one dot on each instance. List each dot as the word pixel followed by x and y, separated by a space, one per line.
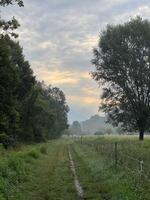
pixel 47 172
pixel 38 172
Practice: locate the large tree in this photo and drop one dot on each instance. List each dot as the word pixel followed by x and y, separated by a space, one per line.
pixel 16 82
pixel 122 62
pixel 29 110
pixel 45 113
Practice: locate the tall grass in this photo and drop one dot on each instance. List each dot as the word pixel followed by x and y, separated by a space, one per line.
pixel 124 177
pixel 14 169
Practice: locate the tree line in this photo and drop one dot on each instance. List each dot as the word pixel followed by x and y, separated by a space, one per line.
pixel 30 111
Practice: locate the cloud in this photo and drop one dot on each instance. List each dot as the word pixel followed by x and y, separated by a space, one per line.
pixel 47 45
pixel 84 100
pixel 56 77
pixel 58 38
pixel 59 77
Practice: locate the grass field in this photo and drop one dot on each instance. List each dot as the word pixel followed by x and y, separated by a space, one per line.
pixel 42 172
pixel 101 178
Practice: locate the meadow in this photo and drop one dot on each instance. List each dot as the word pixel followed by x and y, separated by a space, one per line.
pixel 114 174
pixel 106 171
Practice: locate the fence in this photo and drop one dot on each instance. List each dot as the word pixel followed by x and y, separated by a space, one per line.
pixel 120 157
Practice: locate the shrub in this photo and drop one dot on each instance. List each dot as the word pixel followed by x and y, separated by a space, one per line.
pixel 12 172
pixel 99 133
pixel 34 154
pixel 7 141
pixel 43 150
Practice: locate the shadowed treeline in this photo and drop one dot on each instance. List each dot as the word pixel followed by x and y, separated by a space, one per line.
pixel 29 110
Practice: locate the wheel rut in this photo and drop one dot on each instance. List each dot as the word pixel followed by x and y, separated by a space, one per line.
pixel 78 186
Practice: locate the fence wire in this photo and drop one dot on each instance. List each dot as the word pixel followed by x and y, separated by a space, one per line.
pixel 120 158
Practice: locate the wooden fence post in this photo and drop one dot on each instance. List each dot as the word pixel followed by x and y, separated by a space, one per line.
pixel 141 164
pixel 116 155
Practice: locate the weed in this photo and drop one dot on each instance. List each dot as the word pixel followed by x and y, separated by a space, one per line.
pixel 34 154
pixel 43 149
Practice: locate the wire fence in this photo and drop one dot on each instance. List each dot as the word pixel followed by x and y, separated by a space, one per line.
pixel 121 156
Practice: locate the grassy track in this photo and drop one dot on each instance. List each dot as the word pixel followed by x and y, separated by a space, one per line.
pixel 42 172
pixel 90 170
pixel 47 176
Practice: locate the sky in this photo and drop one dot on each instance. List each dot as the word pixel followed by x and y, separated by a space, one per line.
pixel 58 37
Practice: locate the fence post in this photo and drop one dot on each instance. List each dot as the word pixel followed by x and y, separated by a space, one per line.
pixel 116 155
pixel 141 164
pixel 81 139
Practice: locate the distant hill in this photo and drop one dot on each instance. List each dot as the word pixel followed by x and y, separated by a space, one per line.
pixel 94 124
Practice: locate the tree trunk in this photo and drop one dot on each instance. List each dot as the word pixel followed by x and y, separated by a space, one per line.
pixel 141 135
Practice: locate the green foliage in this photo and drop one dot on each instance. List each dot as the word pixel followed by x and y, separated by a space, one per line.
pixel 49 177
pixel 12 172
pixel 16 82
pixel 95 167
pixel 8 27
pixel 52 175
pixel 43 149
pixel 7 141
pixel 99 133
pixel 29 110
pixel 45 115
pixel 15 170
pixel 122 61
pixel 34 154
pixel 120 130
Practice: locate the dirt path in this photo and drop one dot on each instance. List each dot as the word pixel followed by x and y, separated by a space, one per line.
pixel 76 181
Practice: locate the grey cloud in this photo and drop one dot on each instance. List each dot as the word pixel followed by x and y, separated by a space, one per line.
pixel 55 35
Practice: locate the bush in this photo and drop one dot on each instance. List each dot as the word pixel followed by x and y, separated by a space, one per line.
pixel 34 154
pixel 7 141
pixel 12 172
pixel 98 133
pixel 43 150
